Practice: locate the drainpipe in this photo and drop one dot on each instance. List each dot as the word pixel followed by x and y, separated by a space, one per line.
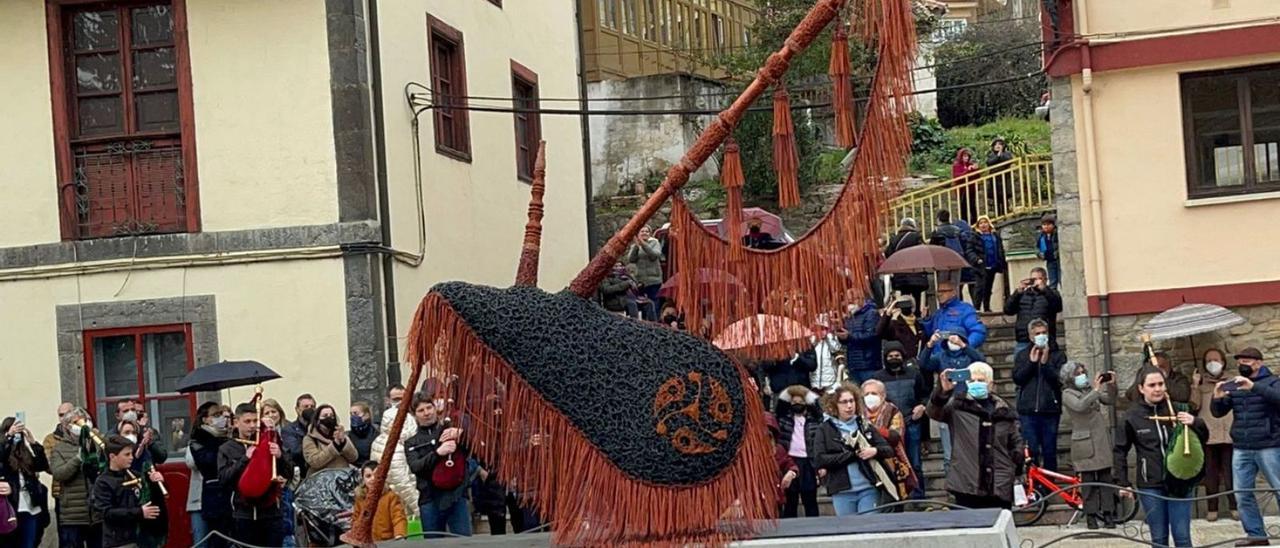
pixel 390 342
pixel 585 122
pixel 1095 193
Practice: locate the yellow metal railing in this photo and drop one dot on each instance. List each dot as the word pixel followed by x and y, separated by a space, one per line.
pixel 1017 188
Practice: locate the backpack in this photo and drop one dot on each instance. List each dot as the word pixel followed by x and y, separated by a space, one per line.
pixel 955 243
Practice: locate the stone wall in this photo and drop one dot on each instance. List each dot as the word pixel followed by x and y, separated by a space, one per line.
pixel 1261 330
pixel 626 149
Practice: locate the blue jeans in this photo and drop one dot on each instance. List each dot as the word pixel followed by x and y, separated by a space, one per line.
pixel 199 529
pixel 1245 465
pixel 80 536
pixel 913 455
pixel 1165 516
pixel 287 515
pixel 25 535
pixel 454 518
pixel 848 503
pixel 1040 432
pixel 861 376
pixel 1054 269
pixel 944 433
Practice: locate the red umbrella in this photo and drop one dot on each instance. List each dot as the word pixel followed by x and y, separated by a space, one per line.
pixel 703 275
pixel 769 223
pixel 923 258
pixel 774 333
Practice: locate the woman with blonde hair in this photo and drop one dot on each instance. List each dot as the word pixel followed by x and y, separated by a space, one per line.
pixel 844 446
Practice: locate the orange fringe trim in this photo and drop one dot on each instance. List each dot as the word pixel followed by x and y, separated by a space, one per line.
pixel 829 266
pixel 573 485
pixel 786 161
pixel 732 178
pixel 841 91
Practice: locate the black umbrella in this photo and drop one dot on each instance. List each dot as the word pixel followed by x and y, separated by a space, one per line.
pixel 218 376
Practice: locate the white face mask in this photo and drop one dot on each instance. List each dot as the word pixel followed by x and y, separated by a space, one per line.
pixel 129 416
pixel 1042 340
pixel 872 400
pixel 132 438
pixel 953 347
pixel 1214 368
pixel 76 430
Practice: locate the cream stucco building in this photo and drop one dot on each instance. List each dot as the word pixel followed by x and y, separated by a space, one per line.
pixel 189 181
pixel 1166 140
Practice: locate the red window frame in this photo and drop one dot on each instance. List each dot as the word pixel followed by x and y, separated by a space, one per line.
pixel 66 141
pixel 138 332
pixel 447 58
pixel 528 125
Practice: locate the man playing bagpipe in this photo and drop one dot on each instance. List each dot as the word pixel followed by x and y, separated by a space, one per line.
pixel 254 468
pixel 118 496
pixel 76 459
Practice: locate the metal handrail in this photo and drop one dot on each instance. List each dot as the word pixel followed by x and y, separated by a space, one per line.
pixel 1006 191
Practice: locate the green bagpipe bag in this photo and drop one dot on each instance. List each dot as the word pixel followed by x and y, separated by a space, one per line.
pixel 1184 458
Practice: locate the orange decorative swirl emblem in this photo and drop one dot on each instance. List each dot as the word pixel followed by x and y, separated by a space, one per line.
pixel 692 412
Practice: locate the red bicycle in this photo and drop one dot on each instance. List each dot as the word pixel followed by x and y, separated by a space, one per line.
pixel 1041 484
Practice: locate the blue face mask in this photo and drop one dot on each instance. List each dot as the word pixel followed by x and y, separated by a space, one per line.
pixel 357 422
pixel 1042 340
pixel 1082 380
pixel 978 389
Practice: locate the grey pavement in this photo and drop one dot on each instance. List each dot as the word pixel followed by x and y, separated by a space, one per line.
pixel 1202 533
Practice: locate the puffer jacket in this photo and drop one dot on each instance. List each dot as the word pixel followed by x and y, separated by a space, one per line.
pixel 399 478
pixel 787 423
pixel 1149 440
pixel 648 261
pixel 1091 446
pixel 1219 427
pixel 1039 385
pixel 1031 304
pixel 1256 424
pixel 938 358
pixel 957 316
pixel 986 447
pixel 862 344
pixel 74 480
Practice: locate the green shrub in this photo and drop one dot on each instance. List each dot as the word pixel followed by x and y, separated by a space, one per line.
pixel 933 150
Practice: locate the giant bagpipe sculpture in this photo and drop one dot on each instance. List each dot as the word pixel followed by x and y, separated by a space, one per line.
pixel 626 432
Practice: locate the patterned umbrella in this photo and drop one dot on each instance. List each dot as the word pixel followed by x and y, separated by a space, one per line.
pixel 1191 319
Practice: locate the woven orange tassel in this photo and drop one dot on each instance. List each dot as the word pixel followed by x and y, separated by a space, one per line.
pixel 842 90
pixel 732 178
pixel 786 161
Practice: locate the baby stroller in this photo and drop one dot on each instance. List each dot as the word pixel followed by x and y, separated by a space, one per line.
pixel 323 504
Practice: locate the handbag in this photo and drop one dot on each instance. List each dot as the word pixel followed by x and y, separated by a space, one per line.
pixel 8 517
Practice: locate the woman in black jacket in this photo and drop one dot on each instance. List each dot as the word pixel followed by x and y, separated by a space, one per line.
pixel 1150 440
pixel 798 421
pixel 851 481
pixel 21 462
pixel 206 439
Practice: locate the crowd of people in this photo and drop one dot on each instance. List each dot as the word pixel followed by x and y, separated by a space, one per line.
pixel 108 492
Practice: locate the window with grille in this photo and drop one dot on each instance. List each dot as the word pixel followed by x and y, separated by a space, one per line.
pixel 449 90
pixel 1231 124
pixel 142 364
pixel 125 166
pixel 524 91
